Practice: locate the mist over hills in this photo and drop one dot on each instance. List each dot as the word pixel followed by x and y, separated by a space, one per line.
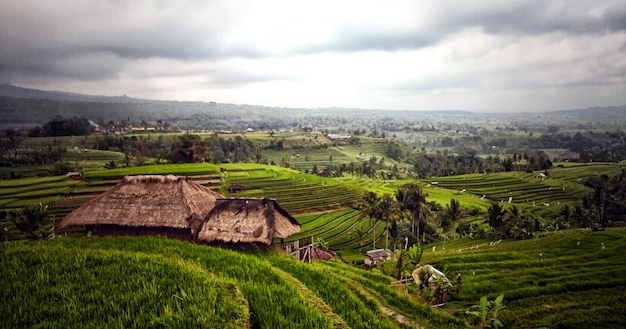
pixel 9 90
pixel 25 107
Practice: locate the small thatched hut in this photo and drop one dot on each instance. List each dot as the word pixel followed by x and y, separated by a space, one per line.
pixel 235 188
pixel 377 255
pixel 245 220
pixel 169 205
pixel 434 276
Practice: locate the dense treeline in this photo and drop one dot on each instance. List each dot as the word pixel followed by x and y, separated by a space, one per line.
pixel 606 146
pixel 63 126
pixel 444 164
pixel 12 154
pixel 186 148
pixel 605 205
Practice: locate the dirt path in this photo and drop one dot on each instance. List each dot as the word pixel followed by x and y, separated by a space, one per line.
pixel 401 318
pixel 315 301
pixel 337 320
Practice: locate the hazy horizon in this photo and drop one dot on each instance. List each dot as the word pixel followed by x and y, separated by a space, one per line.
pixel 476 56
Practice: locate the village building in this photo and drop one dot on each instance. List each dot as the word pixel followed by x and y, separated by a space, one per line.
pixel 437 282
pixel 74 175
pixel 235 188
pixel 377 255
pixel 247 220
pixel 338 137
pixel 176 207
pixel 146 205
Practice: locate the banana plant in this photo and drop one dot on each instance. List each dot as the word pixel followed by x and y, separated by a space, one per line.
pixel 487 312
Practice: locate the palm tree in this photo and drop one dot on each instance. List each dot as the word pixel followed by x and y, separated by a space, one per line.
pixel 30 219
pixel 566 213
pixel 495 215
pixel 454 212
pixel 394 232
pixel 412 199
pixel 386 209
pixel 369 207
pixel 580 216
pixel 359 231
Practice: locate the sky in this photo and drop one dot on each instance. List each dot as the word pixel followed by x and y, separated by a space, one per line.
pixel 483 56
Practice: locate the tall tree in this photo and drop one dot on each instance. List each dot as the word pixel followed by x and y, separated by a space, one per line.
pixel 386 211
pixel 30 219
pixel 369 208
pixel 413 200
pixel 454 212
pixel 188 148
pixel 495 215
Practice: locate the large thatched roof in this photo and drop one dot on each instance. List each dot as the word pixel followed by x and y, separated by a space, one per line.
pixel 247 220
pixel 147 201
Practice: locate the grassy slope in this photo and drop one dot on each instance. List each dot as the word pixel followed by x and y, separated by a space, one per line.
pixel 575 286
pixel 153 282
pixel 150 282
pixel 54 284
pixel 302 194
pixel 523 293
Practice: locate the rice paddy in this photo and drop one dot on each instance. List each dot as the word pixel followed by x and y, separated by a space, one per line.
pixel 570 279
pixel 571 286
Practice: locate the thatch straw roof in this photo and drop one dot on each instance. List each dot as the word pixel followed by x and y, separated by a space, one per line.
pixel 247 220
pixel 147 201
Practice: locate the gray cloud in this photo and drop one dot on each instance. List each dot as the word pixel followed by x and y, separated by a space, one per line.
pixel 108 40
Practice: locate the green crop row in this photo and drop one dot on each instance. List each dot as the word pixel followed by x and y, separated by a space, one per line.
pixel 561 273
pixel 357 313
pixel 174 169
pixel 304 219
pixel 273 301
pixel 48 285
pixel 311 226
pixel 329 229
pixel 379 285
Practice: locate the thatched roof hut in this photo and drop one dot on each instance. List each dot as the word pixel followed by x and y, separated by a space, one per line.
pixel 147 205
pixel 246 220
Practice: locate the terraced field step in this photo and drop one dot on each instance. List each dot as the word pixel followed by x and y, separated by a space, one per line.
pixel 325 223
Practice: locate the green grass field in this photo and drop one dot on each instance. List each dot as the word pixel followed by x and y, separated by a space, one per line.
pixel 537 293
pixel 153 282
pixel 576 285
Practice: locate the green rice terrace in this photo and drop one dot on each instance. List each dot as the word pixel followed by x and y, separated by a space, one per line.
pixel 153 282
pixel 560 279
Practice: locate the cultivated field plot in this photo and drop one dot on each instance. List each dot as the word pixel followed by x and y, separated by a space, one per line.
pixel 538 195
pixel 297 192
pixel 148 282
pixel 569 279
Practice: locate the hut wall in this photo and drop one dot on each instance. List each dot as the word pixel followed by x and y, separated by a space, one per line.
pixel 110 230
pixel 168 232
pixel 119 230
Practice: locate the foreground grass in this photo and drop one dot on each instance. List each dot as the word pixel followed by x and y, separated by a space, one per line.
pixel 50 284
pixel 153 282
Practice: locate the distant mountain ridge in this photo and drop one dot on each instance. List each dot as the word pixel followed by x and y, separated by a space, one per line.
pixel 595 112
pixel 25 107
pixel 9 90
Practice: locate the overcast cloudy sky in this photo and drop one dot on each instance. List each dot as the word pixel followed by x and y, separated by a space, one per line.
pixel 468 55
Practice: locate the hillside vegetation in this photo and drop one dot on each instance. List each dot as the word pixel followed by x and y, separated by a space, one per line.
pixel 153 282
pixel 569 279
